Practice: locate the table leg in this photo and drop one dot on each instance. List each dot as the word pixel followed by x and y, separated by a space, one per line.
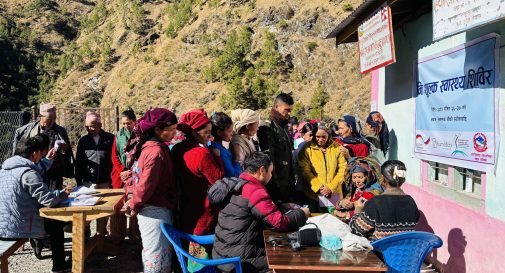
pixel 78 227
pixel 101 230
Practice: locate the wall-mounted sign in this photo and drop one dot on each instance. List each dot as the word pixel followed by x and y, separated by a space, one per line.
pixel 456 102
pixel 375 40
pixel 454 16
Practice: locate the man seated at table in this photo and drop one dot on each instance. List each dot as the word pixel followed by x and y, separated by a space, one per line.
pixel 248 209
pixel 23 192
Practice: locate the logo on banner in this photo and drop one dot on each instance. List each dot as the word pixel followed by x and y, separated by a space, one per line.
pixel 480 142
pixel 420 137
pixel 459 143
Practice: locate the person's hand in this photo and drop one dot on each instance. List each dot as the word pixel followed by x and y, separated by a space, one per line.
pixel 346 203
pixel 339 214
pixel 215 152
pixel 68 189
pixel 325 191
pixel 62 147
pixel 306 211
pixel 52 153
pixel 345 152
pixel 124 175
pixel 288 206
pixel 359 204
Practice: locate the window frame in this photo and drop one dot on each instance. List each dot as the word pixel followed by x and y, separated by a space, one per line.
pixel 451 189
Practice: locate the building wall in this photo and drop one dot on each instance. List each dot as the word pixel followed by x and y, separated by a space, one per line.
pixel 472 235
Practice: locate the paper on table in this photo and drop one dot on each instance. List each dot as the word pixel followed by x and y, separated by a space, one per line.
pixel 81 190
pixel 328 202
pixel 81 200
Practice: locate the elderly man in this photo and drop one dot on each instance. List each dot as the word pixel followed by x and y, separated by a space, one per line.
pixel 280 147
pixel 93 158
pixel 62 165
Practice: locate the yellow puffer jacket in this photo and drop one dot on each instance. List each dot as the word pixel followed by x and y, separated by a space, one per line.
pixel 318 168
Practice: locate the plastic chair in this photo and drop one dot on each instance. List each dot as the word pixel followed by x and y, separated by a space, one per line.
pixel 175 236
pixel 405 252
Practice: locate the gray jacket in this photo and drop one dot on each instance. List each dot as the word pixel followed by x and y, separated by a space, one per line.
pixel 22 192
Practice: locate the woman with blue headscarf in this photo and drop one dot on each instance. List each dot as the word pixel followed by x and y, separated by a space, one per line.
pixel 378 131
pixel 353 143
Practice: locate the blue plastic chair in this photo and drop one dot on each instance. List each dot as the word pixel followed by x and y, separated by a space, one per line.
pixel 405 252
pixel 175 236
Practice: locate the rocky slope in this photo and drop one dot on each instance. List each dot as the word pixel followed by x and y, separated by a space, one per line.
pixel 157 53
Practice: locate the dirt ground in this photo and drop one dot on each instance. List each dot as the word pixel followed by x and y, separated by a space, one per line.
pixel 125 257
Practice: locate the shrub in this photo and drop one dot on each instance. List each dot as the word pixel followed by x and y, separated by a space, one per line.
pixel 95 18
pixel 319 99
pixel 347 7
pixel 311 46
pixel 180 13
pixel 282 24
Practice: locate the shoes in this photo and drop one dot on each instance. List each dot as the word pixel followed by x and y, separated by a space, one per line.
pixel 63 270
pixel 37 245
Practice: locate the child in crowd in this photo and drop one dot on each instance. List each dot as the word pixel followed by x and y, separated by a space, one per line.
pixel 359 177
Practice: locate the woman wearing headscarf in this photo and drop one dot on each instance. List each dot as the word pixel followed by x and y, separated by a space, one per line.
pixel 246 124
pixel 378 131
pixel 322 165
pixel 197 170
pixel 353 144
pixel 222 130
pixel 153 186
pixel 119 163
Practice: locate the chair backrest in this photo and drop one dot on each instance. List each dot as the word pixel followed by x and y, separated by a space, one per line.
pixel 175 236
pixel 405 252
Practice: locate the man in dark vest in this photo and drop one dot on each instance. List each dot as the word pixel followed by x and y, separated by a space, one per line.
pixel 63 164
pixel 280 147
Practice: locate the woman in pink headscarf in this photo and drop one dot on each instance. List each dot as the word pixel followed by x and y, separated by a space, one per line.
pixel 153 186
pixel 197 170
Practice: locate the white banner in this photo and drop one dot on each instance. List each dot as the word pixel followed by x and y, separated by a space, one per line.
pixel 454 16
pixel 375 40
pixel 456 110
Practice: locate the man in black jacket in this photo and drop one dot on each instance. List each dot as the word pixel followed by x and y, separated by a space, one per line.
pixel 248 210
pixel 280 149
pixel 93 158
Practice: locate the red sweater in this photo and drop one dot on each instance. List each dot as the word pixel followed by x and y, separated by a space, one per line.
pixel 117 168
pixel 197 170
pixel 153 178
pixel 355 150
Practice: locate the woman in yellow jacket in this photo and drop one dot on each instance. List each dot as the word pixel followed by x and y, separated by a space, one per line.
pixel 322 166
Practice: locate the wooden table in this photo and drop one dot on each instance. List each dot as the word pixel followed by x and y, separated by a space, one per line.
pixel 109 203
pixel 317 259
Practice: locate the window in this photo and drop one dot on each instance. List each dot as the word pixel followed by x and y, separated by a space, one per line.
pixel 461 185
pixel 467 180
pixel 438 173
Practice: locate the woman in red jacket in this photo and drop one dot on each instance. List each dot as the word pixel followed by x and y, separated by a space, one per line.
pixel 197 170
pixel 154 189
pixel 353 144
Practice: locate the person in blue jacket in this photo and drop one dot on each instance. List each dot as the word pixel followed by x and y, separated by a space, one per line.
pixel 222 130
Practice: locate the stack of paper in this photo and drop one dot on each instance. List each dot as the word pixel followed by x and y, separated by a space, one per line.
pixel 81 190
pixel 81 200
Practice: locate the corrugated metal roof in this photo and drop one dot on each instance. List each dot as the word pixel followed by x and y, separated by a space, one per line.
pixel 402 11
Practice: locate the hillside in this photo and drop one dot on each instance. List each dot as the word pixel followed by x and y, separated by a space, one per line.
pixel 214 54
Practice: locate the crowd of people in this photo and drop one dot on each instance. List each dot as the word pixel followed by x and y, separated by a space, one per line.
pixel 229 175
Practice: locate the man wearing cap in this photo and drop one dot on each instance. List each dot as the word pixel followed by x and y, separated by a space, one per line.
pixel 94 155
pixel 62 165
